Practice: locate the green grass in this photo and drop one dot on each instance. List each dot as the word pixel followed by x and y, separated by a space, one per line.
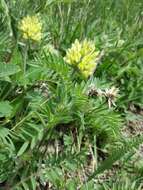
pixel 56 130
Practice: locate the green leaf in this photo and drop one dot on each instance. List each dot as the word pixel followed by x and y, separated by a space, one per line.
pixel 5 109
pixel 127 147
pixel 25 186
pixel 55 176
pixel 23 148
pixel 71 184
pixel 8 69
pixel 88 186
pixel 33 183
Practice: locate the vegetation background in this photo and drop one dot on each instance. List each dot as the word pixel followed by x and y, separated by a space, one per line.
pixel 56 130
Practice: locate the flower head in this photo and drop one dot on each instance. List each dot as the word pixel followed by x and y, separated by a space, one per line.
pixel 112 92
pixel 111 95
pixel 83 56
pixel 31 28
pixel 73 54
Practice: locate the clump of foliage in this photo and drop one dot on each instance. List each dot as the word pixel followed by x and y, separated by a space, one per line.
pixel 70 80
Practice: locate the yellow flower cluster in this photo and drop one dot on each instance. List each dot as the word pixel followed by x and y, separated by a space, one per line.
pixel 31 28
pixel 83 56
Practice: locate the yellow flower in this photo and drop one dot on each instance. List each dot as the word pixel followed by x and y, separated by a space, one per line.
pixel 88 47
pixel 83 56
pixel 88 64
pixel 73 55
pixel 31 28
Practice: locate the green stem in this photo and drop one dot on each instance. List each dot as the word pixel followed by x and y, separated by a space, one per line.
pixel 25 58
